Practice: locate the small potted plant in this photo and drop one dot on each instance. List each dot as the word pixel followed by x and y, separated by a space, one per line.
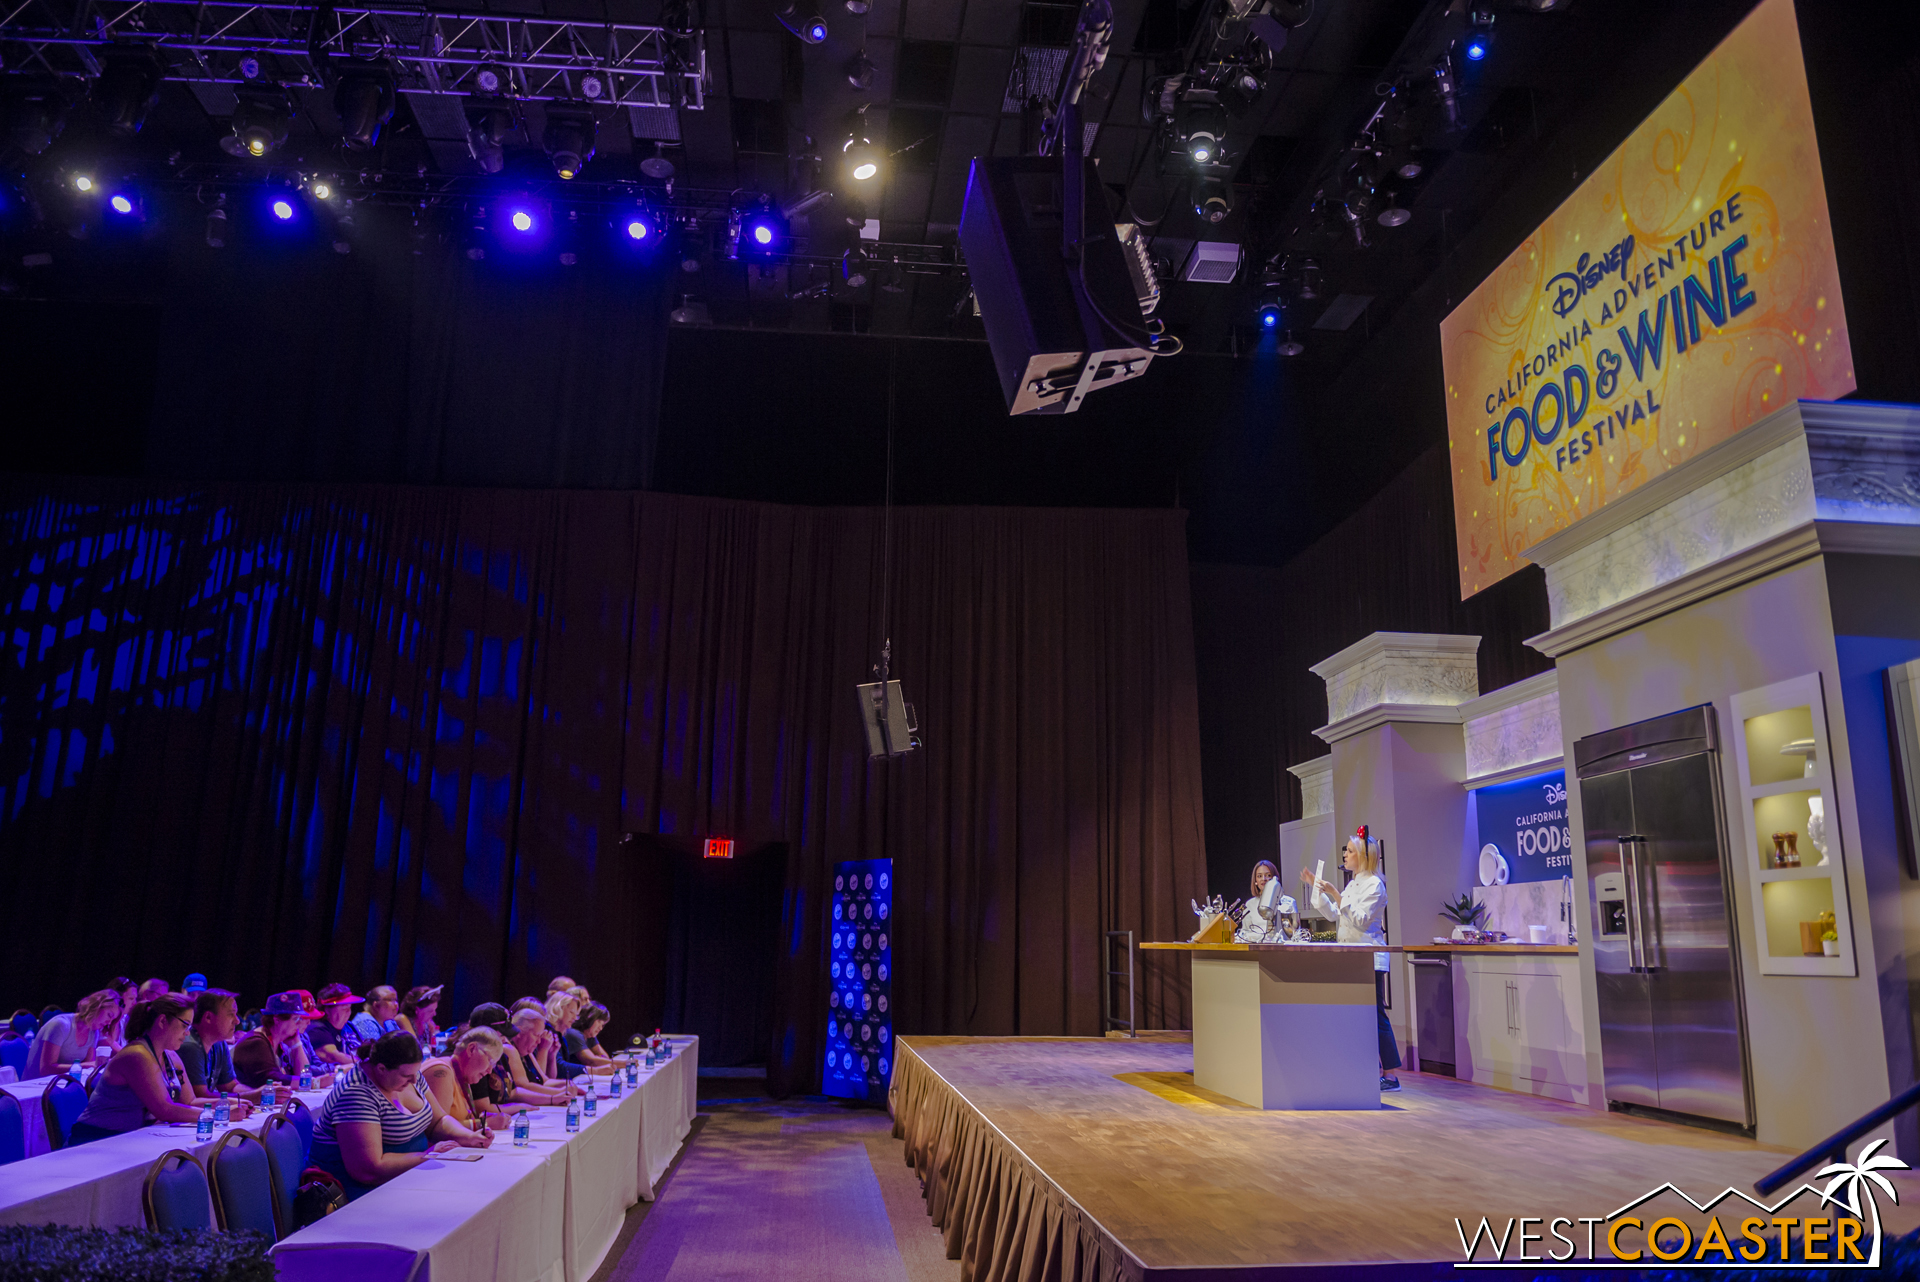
pixel 1830 944
pixel 1464 914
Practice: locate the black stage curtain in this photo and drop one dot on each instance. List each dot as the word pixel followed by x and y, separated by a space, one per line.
pixel 292 734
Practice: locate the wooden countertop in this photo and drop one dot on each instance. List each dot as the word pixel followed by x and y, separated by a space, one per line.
pixel 1564 950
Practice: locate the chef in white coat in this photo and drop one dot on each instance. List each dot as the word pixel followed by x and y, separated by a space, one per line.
pixel 1265 903
pixel 1359 914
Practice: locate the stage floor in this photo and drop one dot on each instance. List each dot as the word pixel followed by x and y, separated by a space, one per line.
pixel 1185 1180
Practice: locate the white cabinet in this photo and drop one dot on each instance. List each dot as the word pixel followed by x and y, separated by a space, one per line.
pixel 1518 1024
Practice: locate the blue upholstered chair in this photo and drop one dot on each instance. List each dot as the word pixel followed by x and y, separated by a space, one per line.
pixel 175 1195
pixel 242 1178
pixel 13 1054
pixel 13 1130
pixel 287 1157
pixel 302 1118
pixel 64 1101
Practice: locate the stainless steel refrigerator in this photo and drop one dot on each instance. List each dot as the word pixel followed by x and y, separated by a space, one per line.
pixel 1672 1034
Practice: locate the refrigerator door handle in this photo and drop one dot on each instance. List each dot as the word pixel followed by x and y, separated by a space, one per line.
pixel 1627 873
pixel 1649 938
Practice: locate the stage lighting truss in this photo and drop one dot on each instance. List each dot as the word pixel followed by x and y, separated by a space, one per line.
pixel 530 58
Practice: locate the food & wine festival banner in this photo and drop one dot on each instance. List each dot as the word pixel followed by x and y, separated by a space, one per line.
pixel 1686 290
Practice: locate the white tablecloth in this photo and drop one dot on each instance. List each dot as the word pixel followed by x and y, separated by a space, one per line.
pixel 547 1213
pixel 98 1185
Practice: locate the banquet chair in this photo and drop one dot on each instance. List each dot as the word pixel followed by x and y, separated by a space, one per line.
pixel 242 1178
pixel 61 1105
pixel 286 1158
pixel 175 1194
pixel 13 1054
pixel 302 1118
pixel 13 1130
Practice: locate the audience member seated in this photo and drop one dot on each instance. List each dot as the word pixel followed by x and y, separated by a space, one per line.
pixel 381 1015
pixel 417 1011
pixel 581 1041
pixel 530 1061
pixel 194 984
pixel 145 1079
pixel 65 1040
pixel 272 1052
pixel 458 1079
pixel 128 993
pixel 562 1009
pixel 206 1052
pixel 377 1124
pixel 153 988
pixel 334 1038
pixel 560 983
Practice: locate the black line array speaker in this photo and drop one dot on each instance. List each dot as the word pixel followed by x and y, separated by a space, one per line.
pixel 1059 329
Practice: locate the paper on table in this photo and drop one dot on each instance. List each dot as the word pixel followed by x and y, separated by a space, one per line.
pixel 460 1155
pixel 1319 873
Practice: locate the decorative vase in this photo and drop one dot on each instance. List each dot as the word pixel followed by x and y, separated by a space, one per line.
pixel 1830 947
pixel 1793 849
pixel 1817 826
pixel 1779 850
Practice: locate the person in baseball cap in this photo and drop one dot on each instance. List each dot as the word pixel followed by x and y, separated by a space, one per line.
pixel 276 1051
pixel 333 1037
pixel 194 983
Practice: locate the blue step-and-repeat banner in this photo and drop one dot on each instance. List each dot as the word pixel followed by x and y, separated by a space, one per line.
pixel 859 1014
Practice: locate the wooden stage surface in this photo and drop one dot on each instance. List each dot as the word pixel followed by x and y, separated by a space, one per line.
pixel 1194 1184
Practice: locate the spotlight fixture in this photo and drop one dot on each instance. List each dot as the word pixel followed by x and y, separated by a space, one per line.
pixel 249 67
pixel 637 229
pixel 1476 45
pixel 1291 346
pixel 487 80
pixel 1268 312
pixel 809 30
pixel 282 208
pixel 128 86
pixel 321 189
pixel 854 269
pixel 1410 168
pixel 522 220
pixel 82 183
pixel 861 157
pixel 657 165
pixel 1479 41
pixel 1204 133
pixel 1356 223
pixel 858 6
pixel 1443 93
pixel 1394 215
pixel 120 203
pixel 1310 286
pixel 364 99
pixel 217 223
pixel 260 121
pixel 488 124
pixel 757 231
pixel 860 70
pixel 1214 201
pixel 343 234
pixel 569 138
pixel 35 112
pixel 592 87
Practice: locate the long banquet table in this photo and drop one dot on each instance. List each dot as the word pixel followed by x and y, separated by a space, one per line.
pixel 32 1120
pixel 98 1185
pixel 548 1213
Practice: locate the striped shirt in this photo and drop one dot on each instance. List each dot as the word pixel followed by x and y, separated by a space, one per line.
pixel 358 1100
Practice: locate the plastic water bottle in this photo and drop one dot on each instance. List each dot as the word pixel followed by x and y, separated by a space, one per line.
pixel 306 1078
pixel 592 1100
pixel 573 1113
pixel 613 1086
pixel 204 1131
pixel 522 1130
pixel 266 1096
pixel 223 1110
pixel 633 1070
pixel 649 1057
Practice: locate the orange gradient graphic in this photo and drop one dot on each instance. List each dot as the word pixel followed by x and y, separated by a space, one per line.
pixel 1585 365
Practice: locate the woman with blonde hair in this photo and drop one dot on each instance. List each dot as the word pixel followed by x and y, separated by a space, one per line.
pixel 1360 917
pixel 452 1077
pixel 66 1040
pixel 145 1079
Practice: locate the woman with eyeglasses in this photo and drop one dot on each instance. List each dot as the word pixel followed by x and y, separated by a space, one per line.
pixel 145 1079
pixel 378 1123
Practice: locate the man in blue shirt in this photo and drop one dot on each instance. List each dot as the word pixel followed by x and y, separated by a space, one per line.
pixel 381 1015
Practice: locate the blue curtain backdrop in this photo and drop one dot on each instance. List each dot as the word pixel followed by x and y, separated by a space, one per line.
pixel 287 734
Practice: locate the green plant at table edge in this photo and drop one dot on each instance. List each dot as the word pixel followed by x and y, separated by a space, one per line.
pixel 46 1252
pixel 1831 937
pixel 1463 911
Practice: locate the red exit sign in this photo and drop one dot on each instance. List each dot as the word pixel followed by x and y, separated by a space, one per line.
pixel 719 847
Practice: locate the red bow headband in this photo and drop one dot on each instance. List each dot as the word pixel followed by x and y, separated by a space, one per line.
pixel 1362 833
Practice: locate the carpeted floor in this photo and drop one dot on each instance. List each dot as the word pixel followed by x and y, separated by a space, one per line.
pixel 805 1188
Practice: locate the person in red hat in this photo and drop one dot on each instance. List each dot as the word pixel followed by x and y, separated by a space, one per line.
pixel 332 1038
pixel 273 1051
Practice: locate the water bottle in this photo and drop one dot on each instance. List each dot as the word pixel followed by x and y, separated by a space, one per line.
pixel 573 1112
pixel 204 1131
pixel 266 1096
pixel 522 1130
pixel 633 1070
pixel 306 1078
pixel 613 1085
pixel 649 1057
pixel 223 1110
pixel 593 1100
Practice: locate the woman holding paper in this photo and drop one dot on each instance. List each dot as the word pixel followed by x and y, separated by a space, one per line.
pixel 1360 917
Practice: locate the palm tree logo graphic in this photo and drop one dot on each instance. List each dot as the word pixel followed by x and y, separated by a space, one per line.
pixel 1853 1179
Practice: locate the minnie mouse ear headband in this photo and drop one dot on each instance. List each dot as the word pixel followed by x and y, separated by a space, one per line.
pixel 1361 832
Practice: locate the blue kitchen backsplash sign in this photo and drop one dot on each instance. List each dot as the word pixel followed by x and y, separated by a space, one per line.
pixel 1526 822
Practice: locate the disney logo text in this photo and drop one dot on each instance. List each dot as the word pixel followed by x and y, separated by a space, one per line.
pixel 1588 272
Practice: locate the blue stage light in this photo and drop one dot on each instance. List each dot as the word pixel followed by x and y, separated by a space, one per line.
pixel 637 228
pixel 1476 47
pixel 283 209
pixel 120 204
pixel 1269 319
pixel 762 234
pixel 816 31
pixel 522 220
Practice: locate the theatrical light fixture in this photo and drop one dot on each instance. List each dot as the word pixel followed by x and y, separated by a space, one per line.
pixel 320 189
pixel 1476 46
pixel 1411 169
pixel 487 80
pixel 217 224
pixel 860 70
pixel 82 183
pixel 522 220
pixel 1393 215
pixel 260 120
pixel 1204 132
pixel 35 112
pixel 592 87
pixel 860 156
pixel 810 30
pixel 569 138
pixel 128 86
pixel 364 99
pixel 657 165
pixel 1479 39
pixel 757 231
pixel 120 204
pixel 282 208
pixel 1291 346
pixel 1213 201
pixel 637 228
pixel 249 68
pixel 488 124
